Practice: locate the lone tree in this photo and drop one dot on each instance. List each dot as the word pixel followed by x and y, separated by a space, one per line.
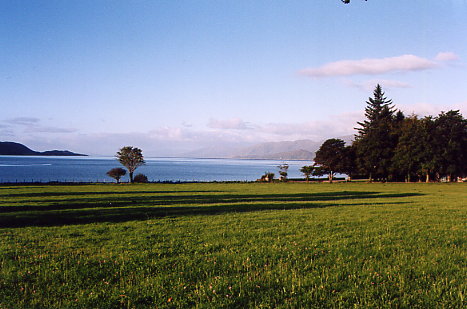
pixel 131 158
pixel 283 168
pixel 330 156
pixel 116 173
pixel 307 170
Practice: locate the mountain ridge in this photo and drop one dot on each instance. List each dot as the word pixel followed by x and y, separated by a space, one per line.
pixel 303 149
pixel 18 149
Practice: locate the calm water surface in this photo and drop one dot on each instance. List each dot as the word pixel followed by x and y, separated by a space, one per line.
pixel 92 169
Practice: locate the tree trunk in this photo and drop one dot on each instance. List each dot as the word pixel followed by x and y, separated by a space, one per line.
pixel 427 179
pixel 330 177
pixel 131 177
pixel 408 178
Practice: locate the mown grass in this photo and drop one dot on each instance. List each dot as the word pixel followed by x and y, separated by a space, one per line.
pixel 233 245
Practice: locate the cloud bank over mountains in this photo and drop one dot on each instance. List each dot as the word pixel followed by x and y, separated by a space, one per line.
pixel 224 133
pixel 219 135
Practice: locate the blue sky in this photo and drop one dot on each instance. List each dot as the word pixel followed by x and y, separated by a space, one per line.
pixel 173 76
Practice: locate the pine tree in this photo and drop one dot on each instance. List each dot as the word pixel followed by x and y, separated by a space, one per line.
pixel 376 139
pixel 377 108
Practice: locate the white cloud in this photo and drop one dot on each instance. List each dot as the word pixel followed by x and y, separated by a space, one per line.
pixel 228 124
pixel 426 109
pixel 177 141
pixel 168 133
pixel 446 56
pixel 374 66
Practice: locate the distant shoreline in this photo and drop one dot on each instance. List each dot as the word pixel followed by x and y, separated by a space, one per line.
pixel 17 149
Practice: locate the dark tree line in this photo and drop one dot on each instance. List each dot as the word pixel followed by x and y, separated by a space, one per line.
pixel 390 146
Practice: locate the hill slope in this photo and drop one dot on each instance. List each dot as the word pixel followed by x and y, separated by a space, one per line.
pixel 17 149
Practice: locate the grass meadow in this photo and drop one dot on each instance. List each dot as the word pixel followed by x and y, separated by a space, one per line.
pixel 215 245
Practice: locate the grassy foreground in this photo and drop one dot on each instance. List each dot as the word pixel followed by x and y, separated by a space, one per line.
pixel 233 245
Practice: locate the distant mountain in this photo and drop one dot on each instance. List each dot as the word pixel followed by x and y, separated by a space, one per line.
pixel 17 149
pixel 300 154
pixel 286 150
pixel 217 151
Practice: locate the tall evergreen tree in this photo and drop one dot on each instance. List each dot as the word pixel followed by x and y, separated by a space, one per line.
pixel 377 108
pixel 376 141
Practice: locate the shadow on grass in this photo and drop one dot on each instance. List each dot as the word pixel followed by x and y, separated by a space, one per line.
pixel 120 209
pixel 80 202
pixel 80 193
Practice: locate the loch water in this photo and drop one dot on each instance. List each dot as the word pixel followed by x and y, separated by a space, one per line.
pixel 93 169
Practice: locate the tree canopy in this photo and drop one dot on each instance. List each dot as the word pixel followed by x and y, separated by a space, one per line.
pixel 330 156
pixel 116 173
pixel 130 157
pixel 307 170
pixel 389 146
pixel 376 137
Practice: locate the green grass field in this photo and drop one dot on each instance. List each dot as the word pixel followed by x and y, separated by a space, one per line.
pixel 292 245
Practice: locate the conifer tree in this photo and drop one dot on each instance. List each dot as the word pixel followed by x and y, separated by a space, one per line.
pixel 376 141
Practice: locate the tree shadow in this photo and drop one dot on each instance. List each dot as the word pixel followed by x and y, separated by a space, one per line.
pixel 79 193
pixel 121 209
pixel 98 200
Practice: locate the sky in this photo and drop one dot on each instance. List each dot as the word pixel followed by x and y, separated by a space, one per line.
pixel 172 76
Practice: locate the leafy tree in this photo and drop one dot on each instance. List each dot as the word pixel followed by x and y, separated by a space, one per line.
pixel 283 168
pixel 376 138
pixel 409 154
pixel 141 178
pixel 330 156
pixel 319 171
pixel 450 140
pixel 307 170
pixel 429 163
pixel 349 162
pixel 131 158
pixel 116 173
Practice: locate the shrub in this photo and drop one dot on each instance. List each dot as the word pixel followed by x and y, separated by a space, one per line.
pixel 141 178
pixel 267 177
pixel 116 173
